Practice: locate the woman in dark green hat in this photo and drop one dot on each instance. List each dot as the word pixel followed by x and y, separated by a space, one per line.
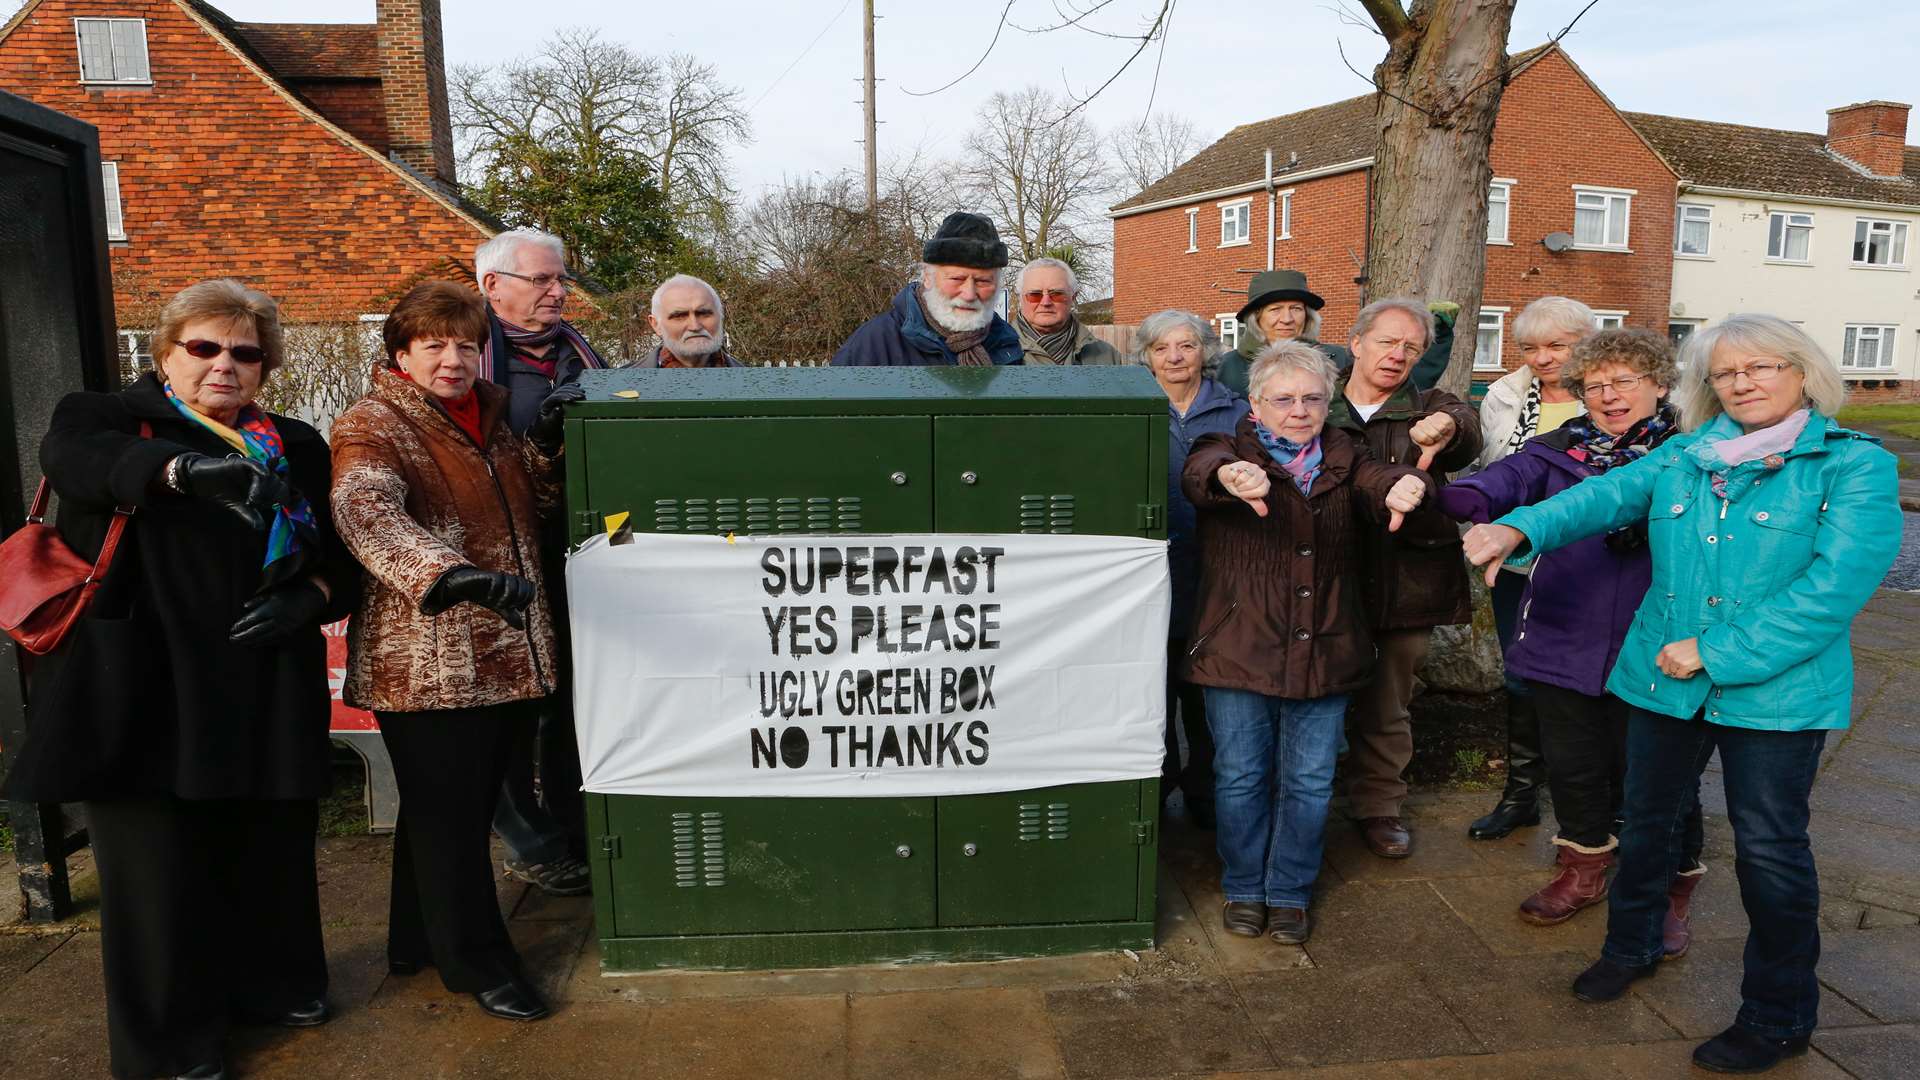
pixel 1280 307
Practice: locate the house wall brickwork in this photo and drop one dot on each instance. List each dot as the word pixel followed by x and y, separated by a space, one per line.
pixel 413 78
pixel 354 104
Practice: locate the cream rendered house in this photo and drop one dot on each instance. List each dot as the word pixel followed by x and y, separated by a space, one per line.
pixel 1823 231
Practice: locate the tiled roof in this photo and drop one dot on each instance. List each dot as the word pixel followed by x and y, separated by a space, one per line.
pixel 1709 154
pixel 1322 136
pixel 316 50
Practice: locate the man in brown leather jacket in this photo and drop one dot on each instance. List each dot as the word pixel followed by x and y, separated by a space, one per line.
pixel 1412 580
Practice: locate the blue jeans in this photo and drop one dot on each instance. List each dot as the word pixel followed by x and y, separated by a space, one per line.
pixel 1272 779
pixel 1769 777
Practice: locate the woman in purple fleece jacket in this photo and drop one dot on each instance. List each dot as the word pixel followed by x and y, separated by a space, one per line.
pixel 1576 610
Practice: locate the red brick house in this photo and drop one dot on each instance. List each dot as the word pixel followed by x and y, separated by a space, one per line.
pixel 312 161
pixel 1564 161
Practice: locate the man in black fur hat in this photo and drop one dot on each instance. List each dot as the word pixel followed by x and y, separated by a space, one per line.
pixel 947 316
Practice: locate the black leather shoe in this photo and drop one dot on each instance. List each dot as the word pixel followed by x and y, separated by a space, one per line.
pixel 512 1000
pixel 1247 918
pixel 1504 818
pixel 406 967
pixel 216 1070
pixel 1288 925
pixel 1737 1050
pixel 1606 980
pixel 306 1014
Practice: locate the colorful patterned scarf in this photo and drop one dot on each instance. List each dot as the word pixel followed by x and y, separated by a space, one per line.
pixel 1301 461
pixel 294 528
pixel 519 341
pixel 1602 451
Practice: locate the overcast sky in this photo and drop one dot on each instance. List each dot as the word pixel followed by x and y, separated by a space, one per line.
pixel 1765 62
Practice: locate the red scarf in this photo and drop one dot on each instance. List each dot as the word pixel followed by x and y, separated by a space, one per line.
pixel 463 411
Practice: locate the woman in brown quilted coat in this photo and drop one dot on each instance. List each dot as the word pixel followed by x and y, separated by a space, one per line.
pixel 452 647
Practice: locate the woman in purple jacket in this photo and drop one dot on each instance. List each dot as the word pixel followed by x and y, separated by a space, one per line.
pixel 1576 609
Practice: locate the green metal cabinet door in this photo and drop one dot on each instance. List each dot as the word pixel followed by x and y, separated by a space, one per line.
pixel 713 866
pixel 867 474
pixel 1051 855
pixel 1046 474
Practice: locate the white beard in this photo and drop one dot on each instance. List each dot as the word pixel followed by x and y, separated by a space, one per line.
pixel 950 316
pixel 692 346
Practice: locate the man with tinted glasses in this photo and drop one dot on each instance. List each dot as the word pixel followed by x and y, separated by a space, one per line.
pixel 1050 333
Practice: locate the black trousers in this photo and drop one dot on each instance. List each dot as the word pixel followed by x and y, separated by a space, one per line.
pixel 1585 742
pixel 448 764
pixel 206 906
pixel 1186 709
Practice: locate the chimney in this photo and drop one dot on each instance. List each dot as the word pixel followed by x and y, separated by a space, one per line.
pixel 413 85
pixel 1872 135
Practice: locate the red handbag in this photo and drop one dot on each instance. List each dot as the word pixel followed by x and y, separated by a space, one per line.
pixel 44 586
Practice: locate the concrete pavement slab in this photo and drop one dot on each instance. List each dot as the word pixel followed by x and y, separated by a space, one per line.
pixel 1441 849
pixel 1699 994
pixel 791 1038
pixel 1866 855
pixel 1670 1060
pixel 21 953
pixel 1155 1029
pixel 1878 970
pixel 1320 1017
pixel 1523 1003
pixel 1882 1053
pixel 1358 924
pixel 1491 906
pixel 952 1035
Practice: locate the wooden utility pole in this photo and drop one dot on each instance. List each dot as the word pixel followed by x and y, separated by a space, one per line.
pixel 873 123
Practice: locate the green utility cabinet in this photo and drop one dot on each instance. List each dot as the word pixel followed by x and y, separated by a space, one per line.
pixel 805 882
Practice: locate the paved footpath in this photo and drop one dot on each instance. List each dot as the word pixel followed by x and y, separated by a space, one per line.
pixel 1416 969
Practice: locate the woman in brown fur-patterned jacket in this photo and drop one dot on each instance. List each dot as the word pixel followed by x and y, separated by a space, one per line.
pixel 452 647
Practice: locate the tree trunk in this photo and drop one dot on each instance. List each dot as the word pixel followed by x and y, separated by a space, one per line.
pixel 1440 88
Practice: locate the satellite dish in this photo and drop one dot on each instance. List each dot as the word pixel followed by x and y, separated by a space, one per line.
pixel 1557 242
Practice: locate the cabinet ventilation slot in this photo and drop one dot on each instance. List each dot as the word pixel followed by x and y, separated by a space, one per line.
pixel 758 514
pixel 1047 821
pixel 699 849
pixel 1046 513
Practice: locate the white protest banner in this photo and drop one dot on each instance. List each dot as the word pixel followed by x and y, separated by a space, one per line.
pixel 867 665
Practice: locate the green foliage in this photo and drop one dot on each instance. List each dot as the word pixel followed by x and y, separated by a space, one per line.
pixel 603 201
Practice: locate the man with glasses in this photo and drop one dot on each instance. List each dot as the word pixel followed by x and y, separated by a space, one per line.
pixel 1050 332
pixel 538 356
pixel 1413 579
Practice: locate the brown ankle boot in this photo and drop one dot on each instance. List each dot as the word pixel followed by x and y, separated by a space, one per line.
pixel 1676 933
pixel 1579 880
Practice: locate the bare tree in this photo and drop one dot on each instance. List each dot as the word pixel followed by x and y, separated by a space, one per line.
pixel 1039 171
pixel 694 120
pixel 1146 153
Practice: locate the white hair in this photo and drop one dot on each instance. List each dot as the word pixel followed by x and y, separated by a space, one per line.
pixel 501 252
pixel 1538 320
pixel 1763 335
pixel 1407 306
pixel 1073 280
pixel 1161 323
pixel 1283 357
pixel 680 281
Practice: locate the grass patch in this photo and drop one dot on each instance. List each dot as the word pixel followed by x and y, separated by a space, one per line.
pixel 1891 419
pixel 343 810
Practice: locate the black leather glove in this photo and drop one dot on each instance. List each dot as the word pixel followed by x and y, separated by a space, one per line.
pixel 244 486
pixel 506 595
pixel 277 613
pixel 545 431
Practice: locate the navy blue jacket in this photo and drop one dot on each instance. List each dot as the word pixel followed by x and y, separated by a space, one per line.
pixel 1216 410
pixel 900 337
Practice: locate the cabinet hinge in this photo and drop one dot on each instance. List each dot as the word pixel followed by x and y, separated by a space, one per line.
pixel 610 846
pixel 1152 515
pixel 1143 832
pixel 585 524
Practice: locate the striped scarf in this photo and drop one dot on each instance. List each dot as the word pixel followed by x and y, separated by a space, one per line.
pixel 294 528
pixel 518 341
pixel 1059 344
pixel 1528 419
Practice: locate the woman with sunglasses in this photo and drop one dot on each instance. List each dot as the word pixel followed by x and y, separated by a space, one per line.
pixel 1770 526
pixel 189 708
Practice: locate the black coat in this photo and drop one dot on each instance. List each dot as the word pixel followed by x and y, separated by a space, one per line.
pixel 146 697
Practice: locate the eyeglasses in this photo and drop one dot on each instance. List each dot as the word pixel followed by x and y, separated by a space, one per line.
pixel 1313 402
pixel 543 282
pixel 1623 386
pixel 1764 372
pixel 1058 296
pixel 203 349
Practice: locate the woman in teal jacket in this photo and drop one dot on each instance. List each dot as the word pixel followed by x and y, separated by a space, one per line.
pixel 1770 527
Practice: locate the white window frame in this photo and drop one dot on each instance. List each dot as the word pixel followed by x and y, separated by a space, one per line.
pixel 145 76
pixel 1885 336
pixel 1227 324
pixel 1499 329
pixel 138 347
pixel 1227 208
pixel 1609 320
pixel 1785 228
pixel 110 197
pixel 1610 197
pixel 1286 214
pixel 1503 188
pixel 1898 235
pixel 1193 229
pixel 1681 212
